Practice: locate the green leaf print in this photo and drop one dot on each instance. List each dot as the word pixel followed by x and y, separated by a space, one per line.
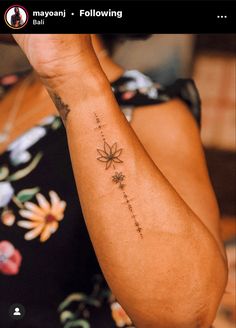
pixel 77 323
pixel 4 172
pixel 72 298
pixel 27 194
pixel 22 173
pixel 66 315
pixel 56 124
pixel 78 298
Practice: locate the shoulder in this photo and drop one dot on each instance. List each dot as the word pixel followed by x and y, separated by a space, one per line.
pixel 134 89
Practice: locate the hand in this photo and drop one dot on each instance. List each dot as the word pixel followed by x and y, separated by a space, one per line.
pixel 53 55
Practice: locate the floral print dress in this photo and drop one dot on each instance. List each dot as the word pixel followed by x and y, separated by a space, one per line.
pixel 47 262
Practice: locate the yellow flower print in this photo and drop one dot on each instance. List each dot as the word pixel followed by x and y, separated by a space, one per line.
pixel 42 218
pixel 119 315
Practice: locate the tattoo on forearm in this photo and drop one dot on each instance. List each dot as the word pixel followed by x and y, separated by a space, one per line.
pixel 63 108
pixel 110 156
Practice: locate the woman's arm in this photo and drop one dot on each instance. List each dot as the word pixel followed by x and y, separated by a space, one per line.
pixel 160 260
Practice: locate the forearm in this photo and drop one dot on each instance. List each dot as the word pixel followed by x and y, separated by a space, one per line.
pixel 139 226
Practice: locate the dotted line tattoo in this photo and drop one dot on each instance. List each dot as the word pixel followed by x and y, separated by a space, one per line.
pixel 110 156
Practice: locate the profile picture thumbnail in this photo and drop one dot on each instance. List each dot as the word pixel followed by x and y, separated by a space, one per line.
pixel 16 17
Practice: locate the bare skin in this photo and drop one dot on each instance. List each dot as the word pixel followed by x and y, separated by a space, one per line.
pixel 178 259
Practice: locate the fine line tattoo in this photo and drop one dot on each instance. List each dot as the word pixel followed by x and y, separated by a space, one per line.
pixel 118 178
pixel 110 155
pixel 62 108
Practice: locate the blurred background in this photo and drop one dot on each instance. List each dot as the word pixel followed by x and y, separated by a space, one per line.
pixel 210 59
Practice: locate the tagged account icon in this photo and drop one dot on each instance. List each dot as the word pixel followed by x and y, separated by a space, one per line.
pixel 17 311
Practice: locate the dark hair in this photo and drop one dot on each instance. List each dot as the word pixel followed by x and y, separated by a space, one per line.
pixel 110 40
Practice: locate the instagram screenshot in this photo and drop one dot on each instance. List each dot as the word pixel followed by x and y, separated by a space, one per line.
pixel 117 164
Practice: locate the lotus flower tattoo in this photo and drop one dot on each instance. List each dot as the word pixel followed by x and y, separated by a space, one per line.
pixel 109 155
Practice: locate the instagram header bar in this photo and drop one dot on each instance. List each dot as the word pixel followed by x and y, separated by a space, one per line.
pixel 118 17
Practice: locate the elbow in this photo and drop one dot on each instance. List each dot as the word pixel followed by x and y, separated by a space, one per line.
pixel 184 295
pixel 185 314
pixel 178 284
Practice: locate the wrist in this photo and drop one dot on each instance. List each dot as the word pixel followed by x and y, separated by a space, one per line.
pixel 68 66
pixel 76 83
pixel 82 88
